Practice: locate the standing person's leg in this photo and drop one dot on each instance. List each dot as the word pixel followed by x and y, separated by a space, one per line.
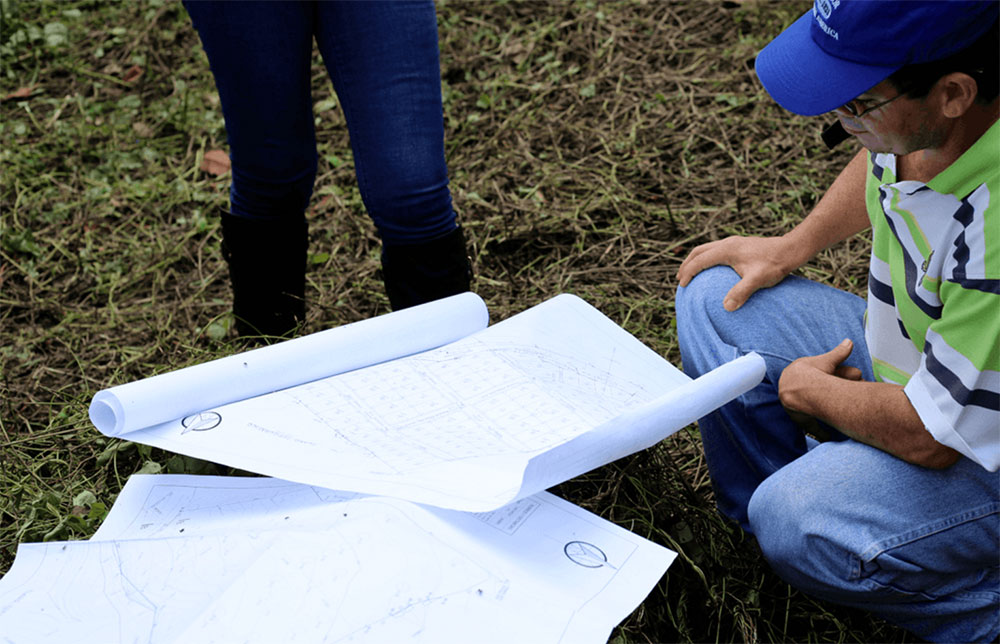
pixel 750 438
pixel 384 62
pixel 260 55
pixel 918 547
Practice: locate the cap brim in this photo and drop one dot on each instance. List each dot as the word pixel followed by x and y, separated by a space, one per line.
pixel 806 80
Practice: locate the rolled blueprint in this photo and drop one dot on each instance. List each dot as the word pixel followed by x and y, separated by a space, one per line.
pixel 429 405
pixel 646 425
pixel 190 390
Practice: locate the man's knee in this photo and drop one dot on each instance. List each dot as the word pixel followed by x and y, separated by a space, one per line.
pixel 705 290
pixel 697 307
pixel 697 302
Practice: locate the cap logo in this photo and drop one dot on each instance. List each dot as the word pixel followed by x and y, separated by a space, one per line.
pixel 822 10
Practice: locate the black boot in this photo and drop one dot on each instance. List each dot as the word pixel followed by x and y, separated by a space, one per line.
pixel 419 273
pixel 267 267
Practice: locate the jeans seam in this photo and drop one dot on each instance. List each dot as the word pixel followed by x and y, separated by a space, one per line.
pixel 872 553
pixel 876 550
pixel 875 584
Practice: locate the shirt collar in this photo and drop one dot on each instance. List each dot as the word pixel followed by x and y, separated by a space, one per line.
pixel 971 169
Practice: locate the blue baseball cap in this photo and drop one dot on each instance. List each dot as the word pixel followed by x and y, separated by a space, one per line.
pixel 842 48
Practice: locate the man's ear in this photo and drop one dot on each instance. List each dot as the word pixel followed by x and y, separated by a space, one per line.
pixel 955 93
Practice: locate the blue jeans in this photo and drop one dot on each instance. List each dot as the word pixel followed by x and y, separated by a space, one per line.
pixel 842 521
pixel 383 60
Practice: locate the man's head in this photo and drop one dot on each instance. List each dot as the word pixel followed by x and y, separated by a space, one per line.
pixel 842 48
pixel 930 98
pixel 891 69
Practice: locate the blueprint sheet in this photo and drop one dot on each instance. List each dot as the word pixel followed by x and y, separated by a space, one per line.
pixel 470 423
pixel 226 559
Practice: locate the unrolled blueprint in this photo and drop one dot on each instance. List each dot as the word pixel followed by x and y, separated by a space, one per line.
pixel 428 404
pixel 225 559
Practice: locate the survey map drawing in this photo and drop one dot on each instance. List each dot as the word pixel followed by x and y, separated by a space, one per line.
pixel 457 424
pixel 468 401
pixel 414 448
pixel 222 559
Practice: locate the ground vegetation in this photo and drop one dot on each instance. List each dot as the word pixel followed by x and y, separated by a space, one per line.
pixel 591 146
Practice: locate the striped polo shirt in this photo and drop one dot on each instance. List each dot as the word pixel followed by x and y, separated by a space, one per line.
pixel 933 320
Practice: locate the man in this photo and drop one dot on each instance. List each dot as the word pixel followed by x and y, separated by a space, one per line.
pixel 897 509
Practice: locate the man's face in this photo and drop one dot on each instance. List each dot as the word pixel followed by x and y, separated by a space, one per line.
pixel 899 126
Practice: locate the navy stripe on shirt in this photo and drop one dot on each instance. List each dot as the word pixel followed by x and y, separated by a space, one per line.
pixel 959 392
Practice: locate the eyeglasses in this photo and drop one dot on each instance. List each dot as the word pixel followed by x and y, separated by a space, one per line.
pixel 853 110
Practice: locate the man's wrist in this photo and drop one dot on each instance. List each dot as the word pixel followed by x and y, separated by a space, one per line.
pixel 796 250
pixel 802 387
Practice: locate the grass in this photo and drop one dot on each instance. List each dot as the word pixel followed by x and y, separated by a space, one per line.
pixel 590 145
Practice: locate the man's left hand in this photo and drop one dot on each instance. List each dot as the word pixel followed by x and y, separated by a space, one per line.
pixel 823 388
pixel 800 379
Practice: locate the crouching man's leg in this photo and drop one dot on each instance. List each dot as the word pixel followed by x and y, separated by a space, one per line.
pixel 748 439
pixel 918 547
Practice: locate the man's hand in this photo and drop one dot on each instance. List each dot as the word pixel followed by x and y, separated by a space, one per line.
pixel 760 261
pixel 877 413
pixel 804 375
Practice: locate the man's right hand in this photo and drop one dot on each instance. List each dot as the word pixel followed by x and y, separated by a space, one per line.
pixel 760 262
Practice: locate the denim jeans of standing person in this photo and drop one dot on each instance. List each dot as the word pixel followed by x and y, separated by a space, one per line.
pixel 383 60
pixel 840 520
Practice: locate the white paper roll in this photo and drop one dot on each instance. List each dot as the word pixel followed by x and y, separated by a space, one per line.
pixel 169 396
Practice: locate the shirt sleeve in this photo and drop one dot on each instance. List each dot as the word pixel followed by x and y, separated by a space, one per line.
pixel 956 389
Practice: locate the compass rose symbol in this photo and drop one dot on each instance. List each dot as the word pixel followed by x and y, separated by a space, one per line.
pixel 586 554
pixel 201 422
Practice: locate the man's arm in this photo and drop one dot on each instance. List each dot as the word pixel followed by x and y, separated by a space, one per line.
pixel 764 261
pixel 876 413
